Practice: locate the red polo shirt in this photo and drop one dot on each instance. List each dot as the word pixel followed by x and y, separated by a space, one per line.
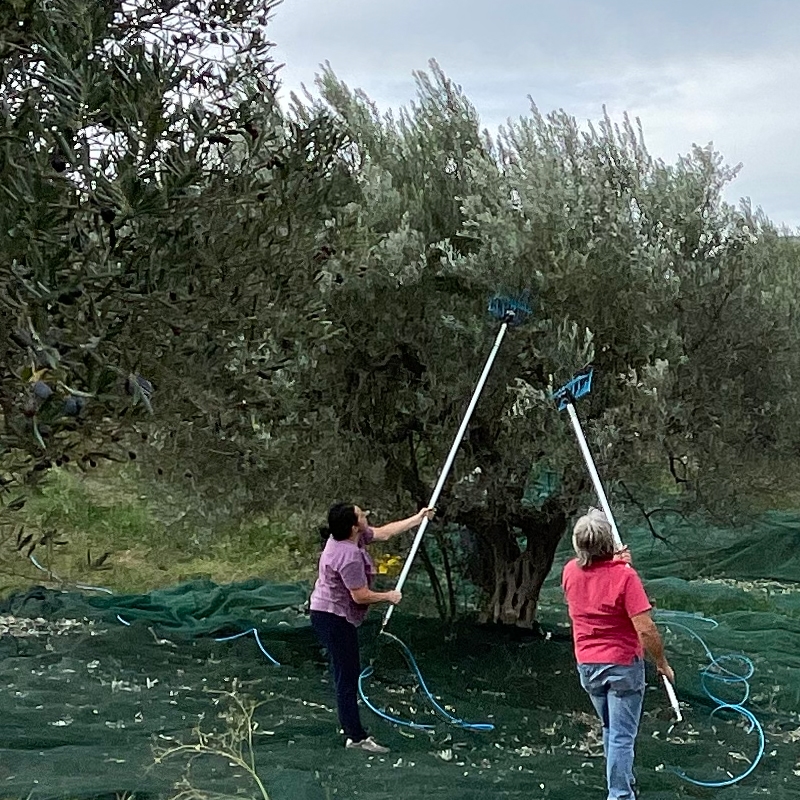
pixel 601 599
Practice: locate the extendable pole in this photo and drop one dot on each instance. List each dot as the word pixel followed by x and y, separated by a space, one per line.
pixel 598 487
pixel 673 699
pixel 447 465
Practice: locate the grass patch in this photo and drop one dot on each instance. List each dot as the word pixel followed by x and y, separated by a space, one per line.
pixel 111 529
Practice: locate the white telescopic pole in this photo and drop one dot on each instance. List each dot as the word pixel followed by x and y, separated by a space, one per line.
pixel 598 487
pixel 447 465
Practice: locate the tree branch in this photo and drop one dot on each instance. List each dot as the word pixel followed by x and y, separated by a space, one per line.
pixel 646 514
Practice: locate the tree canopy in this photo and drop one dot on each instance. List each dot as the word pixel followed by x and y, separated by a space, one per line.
pixel 290 303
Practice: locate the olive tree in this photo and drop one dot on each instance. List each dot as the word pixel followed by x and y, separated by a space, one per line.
pixel 161 223
pixel 681 302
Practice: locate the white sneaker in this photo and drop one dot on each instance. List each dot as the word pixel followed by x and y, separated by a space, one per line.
pixel 369 744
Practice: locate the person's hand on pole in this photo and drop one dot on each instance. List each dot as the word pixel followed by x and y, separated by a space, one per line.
pixel 425 513
pixel 666 670
pixel 624 554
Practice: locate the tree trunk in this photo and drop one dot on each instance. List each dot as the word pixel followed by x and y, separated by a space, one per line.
pixel 514 578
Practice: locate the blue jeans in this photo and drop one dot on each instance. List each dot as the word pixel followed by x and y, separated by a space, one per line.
pixel 617 694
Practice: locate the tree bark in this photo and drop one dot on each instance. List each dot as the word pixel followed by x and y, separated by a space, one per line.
pixel 511 577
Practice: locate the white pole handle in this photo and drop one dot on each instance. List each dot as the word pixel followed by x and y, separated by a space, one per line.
pixel 673 698
pixel 447 465
pixel 598 486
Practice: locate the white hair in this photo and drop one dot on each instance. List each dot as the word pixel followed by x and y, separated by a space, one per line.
pixel 592 538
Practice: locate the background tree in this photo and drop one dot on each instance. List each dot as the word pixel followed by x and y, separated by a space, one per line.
pixel 158 215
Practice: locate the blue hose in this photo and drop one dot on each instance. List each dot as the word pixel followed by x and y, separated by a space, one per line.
pixel 53 576
pixel 720 669
pixel 258 642
pixel 254 631
pixel 365 673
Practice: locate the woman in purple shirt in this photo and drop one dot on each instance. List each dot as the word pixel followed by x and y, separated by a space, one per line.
pixel 340 600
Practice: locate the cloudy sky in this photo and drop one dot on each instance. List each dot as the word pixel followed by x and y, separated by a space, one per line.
pixel 694 72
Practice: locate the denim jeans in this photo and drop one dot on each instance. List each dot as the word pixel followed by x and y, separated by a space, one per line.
pixel 617 694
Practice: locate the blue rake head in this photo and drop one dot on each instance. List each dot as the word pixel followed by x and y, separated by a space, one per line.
pixel 513 310
pixel 573 390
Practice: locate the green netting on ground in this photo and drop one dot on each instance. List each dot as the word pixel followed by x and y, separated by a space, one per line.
pixel 85 699
pixel 764 549
pixel 196 608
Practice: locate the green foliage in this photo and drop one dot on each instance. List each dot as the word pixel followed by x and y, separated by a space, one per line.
pixel 150 187
pixel 117 531
pixel 299 299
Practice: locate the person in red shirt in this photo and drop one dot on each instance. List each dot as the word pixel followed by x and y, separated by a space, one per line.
pixel 612 629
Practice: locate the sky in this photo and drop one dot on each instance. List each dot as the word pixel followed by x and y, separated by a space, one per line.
pixel 692 72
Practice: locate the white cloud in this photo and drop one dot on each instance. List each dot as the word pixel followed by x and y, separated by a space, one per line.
pixel 750 109
pixel 691 72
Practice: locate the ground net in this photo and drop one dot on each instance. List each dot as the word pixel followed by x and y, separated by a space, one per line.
pixel 95 688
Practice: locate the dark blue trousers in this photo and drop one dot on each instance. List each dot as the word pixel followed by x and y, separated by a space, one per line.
pixel 340 638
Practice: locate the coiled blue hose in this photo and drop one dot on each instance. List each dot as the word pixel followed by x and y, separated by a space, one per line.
pixel 716 670
pixel 449 718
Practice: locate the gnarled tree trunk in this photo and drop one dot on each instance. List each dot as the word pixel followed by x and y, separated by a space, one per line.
pixel 512 577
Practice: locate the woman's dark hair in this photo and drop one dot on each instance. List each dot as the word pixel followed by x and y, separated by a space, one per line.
pixel 341 519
